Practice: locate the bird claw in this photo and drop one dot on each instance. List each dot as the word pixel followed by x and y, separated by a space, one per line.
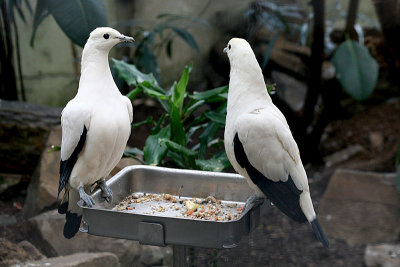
pixel 106 191
pixel 88 200
pixel 253 200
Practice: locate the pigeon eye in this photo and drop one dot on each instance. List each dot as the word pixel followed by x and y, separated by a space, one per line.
pixel 229 47
pixel 106 36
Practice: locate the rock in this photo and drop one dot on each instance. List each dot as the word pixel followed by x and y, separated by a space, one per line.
pixel 9 179
pixel 46 233
pixel 342 155
pixel 387 255
pixel 152 255
pixel 23 129
pixel 361 207
pixel 11 253
pixel 42 190
pixel 289 89
pixel 31 250
pixel 6 219
pixel 104 259
pixel 376 140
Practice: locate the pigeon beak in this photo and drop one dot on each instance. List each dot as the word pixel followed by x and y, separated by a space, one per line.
pixel 224 50
pixel 124 38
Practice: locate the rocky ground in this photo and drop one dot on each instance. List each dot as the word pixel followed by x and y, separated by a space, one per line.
pixel 366 209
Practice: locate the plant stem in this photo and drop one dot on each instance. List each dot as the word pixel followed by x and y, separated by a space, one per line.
pixel 18 53
pixel 351 19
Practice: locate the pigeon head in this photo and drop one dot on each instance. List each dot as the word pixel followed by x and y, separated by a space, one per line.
pixel 105 38
pixel 238 49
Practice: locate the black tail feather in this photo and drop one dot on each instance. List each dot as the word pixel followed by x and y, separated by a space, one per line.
pixel 72 224
pixel 319 233
pixel 62 208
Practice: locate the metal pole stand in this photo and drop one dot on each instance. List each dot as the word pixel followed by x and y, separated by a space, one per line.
pixel 180 259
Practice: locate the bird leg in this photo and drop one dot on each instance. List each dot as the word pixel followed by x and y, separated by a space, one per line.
pixel 253 200
pixel 106 191
pixel 85 197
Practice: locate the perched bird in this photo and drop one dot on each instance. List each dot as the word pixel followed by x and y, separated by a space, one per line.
pixel 259 143
pixel 96 125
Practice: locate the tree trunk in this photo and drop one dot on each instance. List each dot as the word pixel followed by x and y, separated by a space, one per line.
pixel 314 81
pixel 8 84
pixel 389 18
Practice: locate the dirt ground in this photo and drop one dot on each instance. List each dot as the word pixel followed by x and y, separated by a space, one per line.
pixel 278 241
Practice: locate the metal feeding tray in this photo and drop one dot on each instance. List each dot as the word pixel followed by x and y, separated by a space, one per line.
pixel 169 229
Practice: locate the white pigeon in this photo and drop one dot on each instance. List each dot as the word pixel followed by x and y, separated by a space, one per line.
pixel 96 125
pixel 259 143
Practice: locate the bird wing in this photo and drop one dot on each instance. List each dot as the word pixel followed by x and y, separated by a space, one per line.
pixel 129 107
pixel 75 122
pixel 265 148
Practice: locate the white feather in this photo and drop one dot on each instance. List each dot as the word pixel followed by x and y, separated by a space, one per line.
pixel 261 127
pixel 102 109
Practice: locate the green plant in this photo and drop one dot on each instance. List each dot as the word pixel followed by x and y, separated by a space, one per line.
pixel 170 142
pixel 77 18
pixel 153 37
pixel 356 69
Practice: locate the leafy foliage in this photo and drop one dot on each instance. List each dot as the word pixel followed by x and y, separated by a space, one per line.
pixel 77 18
pixel 153 37
pixel 356 69
pixel 170 142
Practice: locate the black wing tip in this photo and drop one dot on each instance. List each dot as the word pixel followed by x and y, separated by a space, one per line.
pixel 319 233
pixel 72 225
pixel 63 208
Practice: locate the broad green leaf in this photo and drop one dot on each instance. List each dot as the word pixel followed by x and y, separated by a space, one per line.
pixel 177 148
pixel 193 129
pixel 130 74
pixel 149 120
pixel 78 18
pixel 177 131
pixel 206 136
pixel 214 165
pixel 147 60
pixel 153 93
pixel 41 12
pixel 186 36
pixel 191 106
pixel 179 89
pixel 206 95
pixel 217 163
pixel 218 117
pixel 157 128
pixel 177 158
pixel 356 69
pixel 132 94
pixel 154 151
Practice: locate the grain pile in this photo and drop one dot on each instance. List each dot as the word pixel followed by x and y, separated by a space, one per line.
pixel 209 208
